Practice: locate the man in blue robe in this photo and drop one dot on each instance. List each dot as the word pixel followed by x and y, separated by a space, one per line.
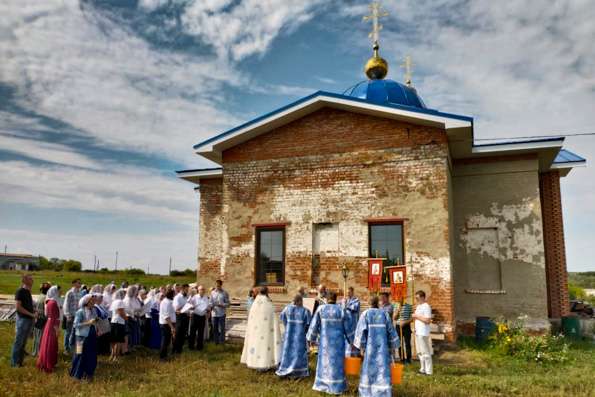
pixel 332 324
pixel 378 341
pixel 294 356
pixel 352 305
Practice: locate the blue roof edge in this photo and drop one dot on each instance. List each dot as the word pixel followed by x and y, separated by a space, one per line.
pixel 563 152
pixel 338 96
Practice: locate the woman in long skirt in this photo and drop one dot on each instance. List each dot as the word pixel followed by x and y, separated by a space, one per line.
pixel 39 326
pixel 85 359
pixel 102 326
pixel 48 348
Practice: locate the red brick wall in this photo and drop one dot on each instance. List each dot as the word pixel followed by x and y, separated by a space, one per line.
pixel 333 131
pixel 553 238
pixel 210 231
pixel 340 167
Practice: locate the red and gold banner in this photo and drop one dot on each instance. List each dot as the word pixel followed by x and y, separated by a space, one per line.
pixel 398 282
pixel 375 274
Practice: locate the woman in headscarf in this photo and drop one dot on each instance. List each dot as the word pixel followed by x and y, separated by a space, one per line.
pixel 102 325
pixel 155 339
pixel 107 295
pixel 118 325
pixel 48 348
pixel 133 308
pixel 85 358
pixel 39 324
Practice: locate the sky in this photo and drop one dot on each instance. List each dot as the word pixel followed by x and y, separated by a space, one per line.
pixel 102 100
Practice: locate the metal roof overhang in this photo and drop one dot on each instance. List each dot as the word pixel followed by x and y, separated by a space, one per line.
pixel 213 148
pixel 195 176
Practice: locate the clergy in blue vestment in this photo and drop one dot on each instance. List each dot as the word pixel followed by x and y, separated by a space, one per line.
pixel 352 305
pixel 294 356
pixel 378 341
pixel 332 323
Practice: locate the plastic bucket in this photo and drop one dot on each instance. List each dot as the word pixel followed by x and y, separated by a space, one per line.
pixel 483 328
pixel 396 373
pixel 571 327
pixel 353 365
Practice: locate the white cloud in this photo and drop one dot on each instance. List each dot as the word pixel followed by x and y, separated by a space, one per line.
pixel 125 191
pixel 50 152
pixel 248 28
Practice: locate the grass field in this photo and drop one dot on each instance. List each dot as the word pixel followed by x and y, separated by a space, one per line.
pixel 11 280
pixel 217 372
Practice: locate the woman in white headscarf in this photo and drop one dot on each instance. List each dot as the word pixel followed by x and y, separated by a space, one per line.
pixel 107 295
pixel 85 358
pixel 118 325
pixel 48 349
pixel 133 309
pixel 102 325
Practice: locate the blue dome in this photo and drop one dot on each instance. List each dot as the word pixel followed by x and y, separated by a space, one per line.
pixel 385 92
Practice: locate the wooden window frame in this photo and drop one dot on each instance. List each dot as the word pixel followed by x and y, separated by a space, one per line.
pixel 383 222
pixel 268 227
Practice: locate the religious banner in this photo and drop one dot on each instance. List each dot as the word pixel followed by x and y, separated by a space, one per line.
pixel 375 274
pixel 398 282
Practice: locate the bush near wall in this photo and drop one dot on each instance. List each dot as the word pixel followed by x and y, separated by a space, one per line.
pixel 512 339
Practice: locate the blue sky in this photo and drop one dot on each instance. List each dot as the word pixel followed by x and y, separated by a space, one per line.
pixel 100 100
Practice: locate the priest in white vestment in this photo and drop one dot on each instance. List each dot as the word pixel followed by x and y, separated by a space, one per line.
pixel 262 343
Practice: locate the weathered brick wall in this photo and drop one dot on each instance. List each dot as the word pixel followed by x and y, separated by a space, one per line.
pixel 211 237
pixel 555 252
pixel 498 250
pixel 340 167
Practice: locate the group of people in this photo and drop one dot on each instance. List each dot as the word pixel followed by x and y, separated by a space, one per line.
pixel 115 321
pixel 337 330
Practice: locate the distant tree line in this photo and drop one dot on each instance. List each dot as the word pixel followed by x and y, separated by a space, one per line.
pixel 60 265
pixel 187 273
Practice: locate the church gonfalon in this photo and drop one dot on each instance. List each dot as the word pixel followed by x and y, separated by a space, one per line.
pixel 331 180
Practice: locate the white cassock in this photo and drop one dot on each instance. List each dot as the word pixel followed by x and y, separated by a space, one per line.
pixel 262 343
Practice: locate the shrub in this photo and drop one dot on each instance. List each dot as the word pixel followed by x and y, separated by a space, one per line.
pixel 512 339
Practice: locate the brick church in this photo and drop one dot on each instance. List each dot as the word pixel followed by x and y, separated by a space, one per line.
pixel 333 179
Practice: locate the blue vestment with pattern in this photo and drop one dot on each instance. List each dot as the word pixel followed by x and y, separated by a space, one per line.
pixel 294 357
pixel 352 305
pixel 331 324
pixel 376 335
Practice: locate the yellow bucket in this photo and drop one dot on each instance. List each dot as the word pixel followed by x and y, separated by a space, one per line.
pixel 353 365
pixel 396 373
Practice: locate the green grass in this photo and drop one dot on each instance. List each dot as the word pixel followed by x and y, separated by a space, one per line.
pixel 11 280
pixel 217 372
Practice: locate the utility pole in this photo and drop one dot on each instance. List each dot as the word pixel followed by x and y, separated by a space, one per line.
pixel 95 263
pixel 116 260
pixel 169 265
pixel 147 269
pixel 5 248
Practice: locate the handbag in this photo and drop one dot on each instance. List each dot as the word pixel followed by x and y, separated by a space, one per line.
pixel 40 322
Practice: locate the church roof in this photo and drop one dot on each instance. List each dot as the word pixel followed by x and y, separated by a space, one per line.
pixel 386 91
pixel 212 147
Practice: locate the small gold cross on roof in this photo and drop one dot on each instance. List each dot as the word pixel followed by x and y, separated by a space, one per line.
pixel 408 66
pixel 377 13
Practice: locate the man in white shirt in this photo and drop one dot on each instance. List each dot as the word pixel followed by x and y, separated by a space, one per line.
pixel 71 302
pixel 182 319
pixel 202 305
pixel 167 323
pixel 423 318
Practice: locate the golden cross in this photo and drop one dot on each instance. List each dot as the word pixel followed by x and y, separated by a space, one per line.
pixel 377 13
pixel 408 66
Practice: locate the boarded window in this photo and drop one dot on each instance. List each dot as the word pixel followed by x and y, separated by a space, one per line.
pixel 270 256
pixel 483 262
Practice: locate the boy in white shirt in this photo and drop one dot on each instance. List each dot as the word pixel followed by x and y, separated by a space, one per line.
pixel 423 318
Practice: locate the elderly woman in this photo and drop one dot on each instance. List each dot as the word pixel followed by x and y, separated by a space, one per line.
pixel 41 319
pixel 133 309
pixel 48 349
pixel 118 325
pixel 85 358
pixel 102 325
